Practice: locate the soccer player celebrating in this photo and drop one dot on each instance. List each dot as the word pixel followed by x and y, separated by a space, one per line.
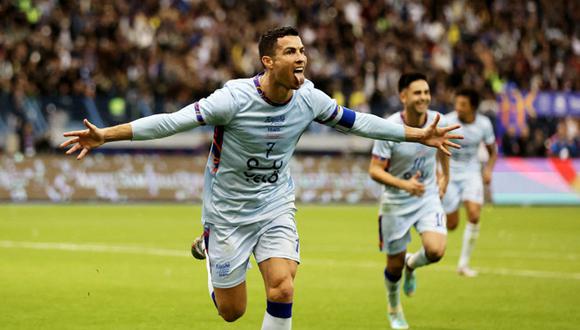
pixel 248 199
pixel 411 196
pixel 466 173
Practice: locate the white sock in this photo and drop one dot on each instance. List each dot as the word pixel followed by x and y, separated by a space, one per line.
pixel 469 237
pixel 276 323
pixel 418 259
pixel 393 297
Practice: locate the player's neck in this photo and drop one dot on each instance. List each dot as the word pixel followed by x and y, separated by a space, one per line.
pixel 274 91
pixel 414 119
pixel 468 119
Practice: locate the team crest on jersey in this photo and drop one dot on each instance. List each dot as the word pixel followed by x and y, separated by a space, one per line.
pixel 274 126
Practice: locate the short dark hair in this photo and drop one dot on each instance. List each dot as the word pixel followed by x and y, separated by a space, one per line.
pixel 471 94
pixel 408 78
pixel 268 40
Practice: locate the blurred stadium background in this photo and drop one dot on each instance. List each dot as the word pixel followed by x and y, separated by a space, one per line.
pixel 115 61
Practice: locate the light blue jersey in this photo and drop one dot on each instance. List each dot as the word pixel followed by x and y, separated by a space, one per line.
pixel 247 177
pixel 464 162
pixel 405 159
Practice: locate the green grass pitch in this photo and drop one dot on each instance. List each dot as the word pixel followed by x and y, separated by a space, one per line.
pixel 128 267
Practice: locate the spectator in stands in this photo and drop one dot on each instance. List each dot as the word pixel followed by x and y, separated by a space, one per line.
pixel 561 144
pixel 512 144
pixel 167 52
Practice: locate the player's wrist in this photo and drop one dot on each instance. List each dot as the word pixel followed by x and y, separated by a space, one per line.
pixel 406 186
pixel 413 134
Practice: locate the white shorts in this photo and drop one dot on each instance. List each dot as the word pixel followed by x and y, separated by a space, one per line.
pixel 466 189
pixel 229 247
pixel 395 227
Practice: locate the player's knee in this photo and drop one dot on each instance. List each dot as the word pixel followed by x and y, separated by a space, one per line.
pixel 231 313
pixel 474 218
pixel 396 271
pixel 452 221
pixel 395 267
pixel 435 254
pixel 282 292
pixel 473 214
pixel 452 225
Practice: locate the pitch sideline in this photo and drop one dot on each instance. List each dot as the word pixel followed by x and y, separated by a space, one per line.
pixel 101 248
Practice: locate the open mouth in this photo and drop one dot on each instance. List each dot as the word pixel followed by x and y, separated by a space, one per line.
pixel 299 75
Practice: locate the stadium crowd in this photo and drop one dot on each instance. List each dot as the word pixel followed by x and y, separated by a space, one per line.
pixel 114 61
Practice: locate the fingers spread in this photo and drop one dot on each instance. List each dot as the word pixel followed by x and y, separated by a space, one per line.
pixel 83 153
pixel 454 136
pixel 451 144
pixel 69 142
pixel 73 149
pixel 444 150
pixel 89 125
pixel 451 128
pixel 436 120
pixel 76 133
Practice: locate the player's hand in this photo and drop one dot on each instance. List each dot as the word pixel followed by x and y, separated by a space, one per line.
pixel 439 137
pixel 487 176
pixel 84 140
pixel 414 186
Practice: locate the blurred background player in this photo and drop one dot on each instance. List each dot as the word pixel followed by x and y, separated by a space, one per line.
pixel 467 176
pixel 248 202
pixel 411 196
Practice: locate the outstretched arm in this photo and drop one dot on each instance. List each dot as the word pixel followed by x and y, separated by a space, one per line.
pixel 93 137
pixel 147 128
pixel 433 136
pixel 380 129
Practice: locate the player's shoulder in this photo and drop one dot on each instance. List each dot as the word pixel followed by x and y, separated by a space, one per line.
pixel 242 91
pixel 308 84
pixel 307 89
pixel 312 97
pixel 482 120
pixel 240 85
pixel 396 117
pixel 432 114
pixel 451 115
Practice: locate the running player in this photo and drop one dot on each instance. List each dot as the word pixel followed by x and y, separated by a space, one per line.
pixel 412 194
pixel 467 177
pixel 248 199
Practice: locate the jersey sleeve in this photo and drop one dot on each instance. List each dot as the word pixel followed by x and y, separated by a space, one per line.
pixel 329 113
pixel 166 124
pixel 488 135
pixel 374 127
pixel 382 149
pixel 343 119
pixel 325 108
pixel 218 108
